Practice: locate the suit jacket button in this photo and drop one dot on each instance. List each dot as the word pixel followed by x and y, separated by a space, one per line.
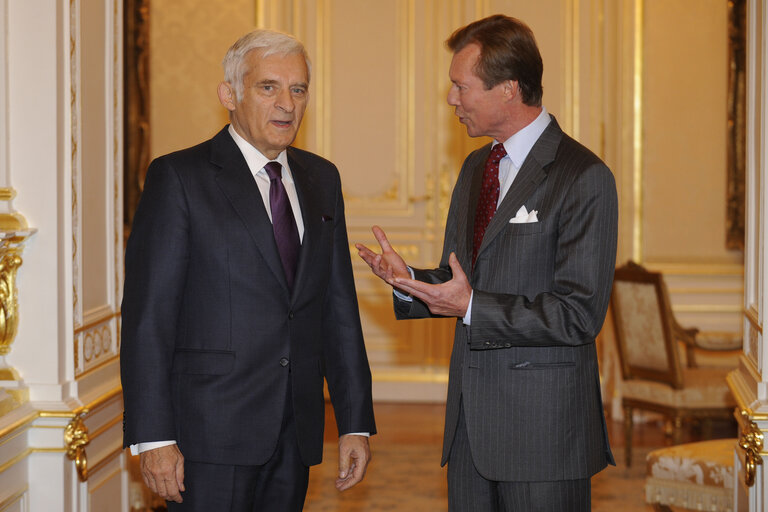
pixel 283 362
pixel 290 315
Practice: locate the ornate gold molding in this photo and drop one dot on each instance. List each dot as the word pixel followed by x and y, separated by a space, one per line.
pixel 76 437
pixel 11 247
pixel 751 441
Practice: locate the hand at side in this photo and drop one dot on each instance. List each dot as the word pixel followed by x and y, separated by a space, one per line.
pixel 163 471
pixel 354 456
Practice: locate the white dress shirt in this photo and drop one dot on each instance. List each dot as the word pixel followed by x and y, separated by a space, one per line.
pixel 517 147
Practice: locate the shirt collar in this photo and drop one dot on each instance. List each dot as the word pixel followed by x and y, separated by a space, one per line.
pixel 256 160
pixel 519 145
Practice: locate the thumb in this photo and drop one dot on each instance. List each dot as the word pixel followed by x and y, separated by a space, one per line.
pixel 453 262
pixel 343 464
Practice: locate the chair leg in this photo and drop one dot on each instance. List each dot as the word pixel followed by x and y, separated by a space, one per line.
pixel 677 433
pixel 628 435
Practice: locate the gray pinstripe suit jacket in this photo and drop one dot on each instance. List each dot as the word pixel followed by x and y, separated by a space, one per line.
pixel 525 370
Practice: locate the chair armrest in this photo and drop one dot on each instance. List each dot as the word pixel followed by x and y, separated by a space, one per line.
pixel 719 341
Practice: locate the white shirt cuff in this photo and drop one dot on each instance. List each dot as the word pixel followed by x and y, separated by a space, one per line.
pixel 136 449
pixel 400 295
pixel 468 315
pixel 364 434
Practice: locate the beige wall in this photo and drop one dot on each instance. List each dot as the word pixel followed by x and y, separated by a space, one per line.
pixel 640 82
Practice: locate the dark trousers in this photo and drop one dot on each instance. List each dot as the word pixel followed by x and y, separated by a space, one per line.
pixel 280 485
pixel 468 491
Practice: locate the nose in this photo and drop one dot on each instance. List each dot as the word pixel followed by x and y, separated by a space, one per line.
pixel 453 96
pixel 285 101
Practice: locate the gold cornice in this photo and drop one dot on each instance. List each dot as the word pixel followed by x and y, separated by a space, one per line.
pixel 7 193
pixel 101 320
pixel 100 402
pixel 15 460
pixel 741 406
pixel 13 498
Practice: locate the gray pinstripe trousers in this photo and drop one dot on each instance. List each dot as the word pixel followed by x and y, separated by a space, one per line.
pixel 468 491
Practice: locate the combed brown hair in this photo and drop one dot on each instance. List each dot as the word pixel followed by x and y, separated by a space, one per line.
pixel 508 51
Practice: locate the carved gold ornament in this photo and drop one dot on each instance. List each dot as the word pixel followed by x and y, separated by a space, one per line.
pixel 751 441
pixel 76 438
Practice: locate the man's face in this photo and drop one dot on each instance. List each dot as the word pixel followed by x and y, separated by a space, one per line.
pixel 475 106
pixel 275 94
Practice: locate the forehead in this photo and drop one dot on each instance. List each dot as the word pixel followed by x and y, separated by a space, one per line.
pixel 464 61
pixel 290 67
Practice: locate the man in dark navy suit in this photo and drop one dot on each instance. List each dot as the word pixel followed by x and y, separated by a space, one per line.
pixel 239 301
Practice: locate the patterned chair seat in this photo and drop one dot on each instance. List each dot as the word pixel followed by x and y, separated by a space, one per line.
pixel 696 476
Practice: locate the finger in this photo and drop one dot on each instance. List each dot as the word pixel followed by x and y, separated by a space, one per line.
pixel 180 475
pixel 417 288
pixel 149 481
pixel 366 254
pixel 381 238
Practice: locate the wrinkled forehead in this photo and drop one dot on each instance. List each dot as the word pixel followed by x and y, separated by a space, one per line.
pixel 261 63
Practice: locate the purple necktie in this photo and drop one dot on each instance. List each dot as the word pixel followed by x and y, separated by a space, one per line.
pixel 489 196
pixel 283 223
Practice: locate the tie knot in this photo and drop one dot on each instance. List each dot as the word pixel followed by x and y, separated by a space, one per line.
pixel 497 153
pixel 274 170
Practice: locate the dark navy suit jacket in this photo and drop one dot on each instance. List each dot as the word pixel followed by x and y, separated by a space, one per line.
pixel 211 334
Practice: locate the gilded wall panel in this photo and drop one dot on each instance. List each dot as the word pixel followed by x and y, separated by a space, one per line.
pixel 685 132
pixel 188 40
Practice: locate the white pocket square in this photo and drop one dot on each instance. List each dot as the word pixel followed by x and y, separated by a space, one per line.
pixel 523 217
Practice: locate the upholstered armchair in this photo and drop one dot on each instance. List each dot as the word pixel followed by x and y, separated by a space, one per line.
pixel 648 339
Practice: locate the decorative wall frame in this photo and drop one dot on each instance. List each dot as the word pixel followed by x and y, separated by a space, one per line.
pixel 136 129
pixel 736 144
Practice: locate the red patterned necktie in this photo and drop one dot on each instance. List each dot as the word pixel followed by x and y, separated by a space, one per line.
pixel 283 222
pixel 489 196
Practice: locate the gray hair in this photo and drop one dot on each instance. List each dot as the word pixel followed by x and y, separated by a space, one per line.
pixel 271 41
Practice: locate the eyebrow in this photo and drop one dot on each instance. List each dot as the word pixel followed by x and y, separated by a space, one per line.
pixel 266 82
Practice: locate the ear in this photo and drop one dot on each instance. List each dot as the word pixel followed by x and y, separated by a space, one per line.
pixel 511 89
pixel 227 96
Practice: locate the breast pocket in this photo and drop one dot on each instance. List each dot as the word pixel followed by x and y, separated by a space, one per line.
pixel 528 228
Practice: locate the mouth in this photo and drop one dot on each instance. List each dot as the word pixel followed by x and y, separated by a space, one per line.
pixel 281 124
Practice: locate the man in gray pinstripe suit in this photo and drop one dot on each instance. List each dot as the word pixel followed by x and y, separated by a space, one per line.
pixel 527 268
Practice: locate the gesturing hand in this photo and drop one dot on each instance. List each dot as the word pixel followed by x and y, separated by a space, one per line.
pixel 388 265
pixel 448 299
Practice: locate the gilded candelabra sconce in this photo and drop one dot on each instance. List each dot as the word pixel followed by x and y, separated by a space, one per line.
pixel 13 232
pixel 76 438
pixel 751 441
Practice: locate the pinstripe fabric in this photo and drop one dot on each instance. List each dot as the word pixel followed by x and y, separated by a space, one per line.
pixel 468 491
pixel 526 368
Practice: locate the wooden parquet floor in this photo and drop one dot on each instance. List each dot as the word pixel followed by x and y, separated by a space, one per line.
pixel 405 473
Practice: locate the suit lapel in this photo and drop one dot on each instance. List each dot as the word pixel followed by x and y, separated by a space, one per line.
pixel 237 183
pixel 531 174
pixel 304 182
